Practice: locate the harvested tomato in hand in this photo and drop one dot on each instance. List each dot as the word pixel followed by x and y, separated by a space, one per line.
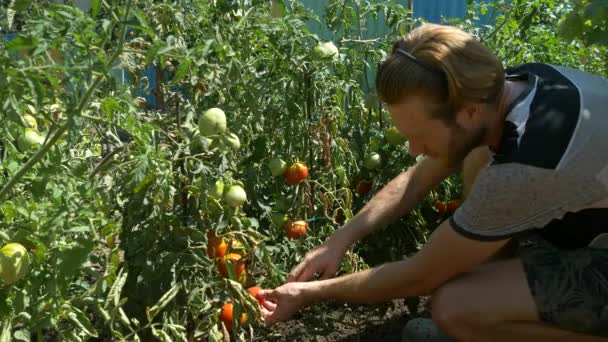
pixel 296 173
pixel 253 291
pixel 295 229
pixel 216 246
pixel 226 316
pixel 236 260
pixel 441 207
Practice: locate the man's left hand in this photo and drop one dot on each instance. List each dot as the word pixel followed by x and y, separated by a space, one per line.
pixel 287 299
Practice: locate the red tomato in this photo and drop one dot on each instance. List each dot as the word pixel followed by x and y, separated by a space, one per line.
pixel 441 207
pixel 363 187
pixel 296 173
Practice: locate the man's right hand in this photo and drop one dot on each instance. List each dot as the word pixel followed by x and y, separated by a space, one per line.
pixel 324 260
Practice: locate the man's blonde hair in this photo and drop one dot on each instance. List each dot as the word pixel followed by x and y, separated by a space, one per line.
pixel 446 64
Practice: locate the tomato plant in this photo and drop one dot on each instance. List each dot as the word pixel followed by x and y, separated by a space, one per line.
pixel 143 148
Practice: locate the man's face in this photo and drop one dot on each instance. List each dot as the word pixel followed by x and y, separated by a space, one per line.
pixel 433 137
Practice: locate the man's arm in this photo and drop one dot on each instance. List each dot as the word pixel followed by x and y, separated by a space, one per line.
pixel 398 197
pixel 446 255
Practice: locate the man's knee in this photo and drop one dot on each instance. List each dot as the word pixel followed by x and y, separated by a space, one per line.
pixel 454 310
pixel 448 311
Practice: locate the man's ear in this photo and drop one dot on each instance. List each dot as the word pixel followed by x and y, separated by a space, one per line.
pixel 470 115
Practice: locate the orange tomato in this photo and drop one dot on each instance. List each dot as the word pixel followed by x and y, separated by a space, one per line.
pixel 453 205
pixel 226 316
pixel 296 173
pixel 441 207
pixel 296 229
pixel 216 246
pixel 236 260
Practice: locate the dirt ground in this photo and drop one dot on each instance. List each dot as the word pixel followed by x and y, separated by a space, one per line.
pixel 341 322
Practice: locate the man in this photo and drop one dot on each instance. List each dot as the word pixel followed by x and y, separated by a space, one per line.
pixel 514 261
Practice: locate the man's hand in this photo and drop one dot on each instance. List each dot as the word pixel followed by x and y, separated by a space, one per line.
pixel 284 301
pixel 324 260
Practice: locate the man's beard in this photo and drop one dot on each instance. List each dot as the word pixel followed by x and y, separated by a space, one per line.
pixel 463 143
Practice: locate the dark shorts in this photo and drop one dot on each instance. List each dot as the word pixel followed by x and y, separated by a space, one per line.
pixel 570 287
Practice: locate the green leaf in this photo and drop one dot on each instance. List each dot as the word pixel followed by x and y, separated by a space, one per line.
pixel 116 289
pixel 22 43
pixel 162 302
pixel 22 335
pixel 182 70
pixel 6 331
pixel 95 6
pixel 82 321
pixel 72 259
pixel 20 5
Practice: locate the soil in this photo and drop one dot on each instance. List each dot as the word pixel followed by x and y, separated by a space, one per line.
pixel 341 322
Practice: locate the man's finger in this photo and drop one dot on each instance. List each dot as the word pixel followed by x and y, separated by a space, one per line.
pixel 269 305
pixel 295 273
pixel 306 275
pixel 328 273
pixel 265 312
pixel 269 317
pixel 266 294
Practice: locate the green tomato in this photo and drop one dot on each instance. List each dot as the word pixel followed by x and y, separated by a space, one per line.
pixel 372 161
pixel 331 50
pixel 326 50
pixel 212 122
pixel 279 219
pixel 14 262
pixel 235 196
pixel 393 136
pixel 319 51
pixel 29 139
pixel 277 167
pixel 31 121
pixel 217 190
pixel 233 141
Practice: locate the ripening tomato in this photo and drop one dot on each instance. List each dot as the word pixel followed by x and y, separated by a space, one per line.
pixel 296 173
pixel 296 229
pixel 239 266
pixel 226 316
pixel 441 207
pixel 216 246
